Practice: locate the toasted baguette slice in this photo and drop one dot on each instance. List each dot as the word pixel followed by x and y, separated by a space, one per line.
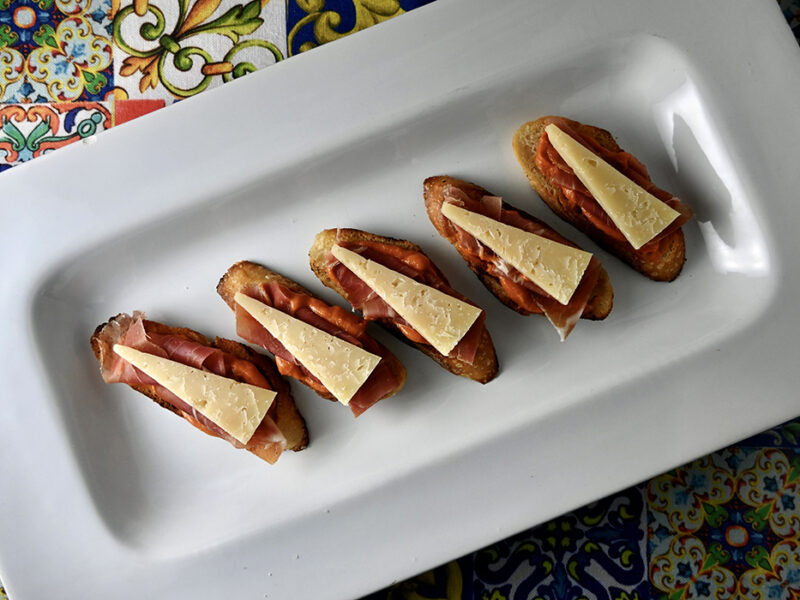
pixel 245 274
pixel 284 411
pixel 664 267
pixel 602 297
pixel 484 367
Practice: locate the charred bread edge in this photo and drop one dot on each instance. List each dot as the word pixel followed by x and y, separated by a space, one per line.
pixel 245 273
pixel 288 418
pixel 485 366
pixel 600 302
pixel 525 144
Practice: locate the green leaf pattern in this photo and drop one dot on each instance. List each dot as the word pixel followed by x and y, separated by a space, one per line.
pixel 175 50
pixel 27 131
pixel 239 20
pixel 728 525
pixel 45 36
pixel 8 37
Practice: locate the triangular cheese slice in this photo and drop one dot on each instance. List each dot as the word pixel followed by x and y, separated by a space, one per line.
pixel 438 317
pixel 339 365
pixel 638 214
pixel 554 267
pixel 238 408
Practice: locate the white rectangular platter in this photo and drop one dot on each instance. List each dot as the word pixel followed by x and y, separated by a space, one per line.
pixel 106 495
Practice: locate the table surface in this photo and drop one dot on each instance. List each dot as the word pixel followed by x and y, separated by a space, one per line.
pixel 726 525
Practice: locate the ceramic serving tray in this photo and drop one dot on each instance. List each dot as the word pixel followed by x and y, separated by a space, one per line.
pixel 105 495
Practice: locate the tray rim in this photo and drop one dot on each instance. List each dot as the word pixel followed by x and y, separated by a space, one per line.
pixel 24 178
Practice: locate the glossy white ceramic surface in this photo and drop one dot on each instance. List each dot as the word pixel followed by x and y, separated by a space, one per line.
pixel 106 495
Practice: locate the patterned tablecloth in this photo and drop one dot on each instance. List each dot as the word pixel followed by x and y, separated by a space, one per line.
pixel 724 526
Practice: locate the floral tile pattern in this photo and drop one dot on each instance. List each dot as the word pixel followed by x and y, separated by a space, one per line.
pixel 726 526
pixel 55 50
pixel 312 23
pixel 31 130
pixel 595 552
pixel 172 49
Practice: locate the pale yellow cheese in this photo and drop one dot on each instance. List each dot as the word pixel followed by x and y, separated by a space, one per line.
pixel 554 267
pixel 438 317
pixel 339 365
pixel 238 408
pixel 638 214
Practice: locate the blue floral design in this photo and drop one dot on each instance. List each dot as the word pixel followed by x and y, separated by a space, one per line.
pixel 735 518
pixel 99 13
pixel 701 588
pixel 685 570
pixel 61 67
pixel 25 93
pixel 79 50
pixel 561 588
pixel 595 552
pixel 25 34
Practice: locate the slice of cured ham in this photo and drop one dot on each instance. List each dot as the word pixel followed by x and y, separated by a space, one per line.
pixel 559 173
pixel 136 332
pixel 411 264
pixel 331 319
pixel 521 290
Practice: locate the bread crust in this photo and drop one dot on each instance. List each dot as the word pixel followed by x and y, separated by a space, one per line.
pixel 287 417
pixel 483 369
pixel 244 274
pixel 600 302
pixel 525 143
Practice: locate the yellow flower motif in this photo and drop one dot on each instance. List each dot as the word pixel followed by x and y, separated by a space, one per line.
pixel 69 59
pixel 681 572
pixel 327 22
pixel 782 582
pixel 73 7
pixel 683 495
pixel 772 488
pixel 11 68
